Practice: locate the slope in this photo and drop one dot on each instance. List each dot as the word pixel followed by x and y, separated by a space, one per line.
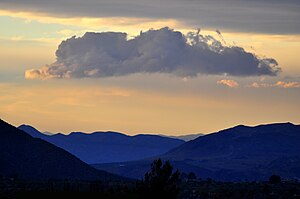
pixel 106 147
pixel 33 158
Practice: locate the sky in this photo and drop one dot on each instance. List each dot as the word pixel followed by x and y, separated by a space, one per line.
pixel 169 67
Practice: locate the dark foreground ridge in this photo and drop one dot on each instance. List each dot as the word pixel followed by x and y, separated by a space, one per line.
pixel 32 158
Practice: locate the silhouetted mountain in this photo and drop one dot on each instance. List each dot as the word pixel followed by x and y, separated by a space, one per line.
pixel 267 141
pixel 105 147
pixel 187 137
pixel 48 133
pixel 238 153
pixel 32 131
pixel 33 158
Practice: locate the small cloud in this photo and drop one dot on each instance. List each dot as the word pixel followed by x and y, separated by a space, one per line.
pixel 228 82
pixel 185 79
pixel 279 84
pixel 283 84
pixel 254 85
pixel 34 74
pixel 107 54
pixel 259 85
pixel 42 73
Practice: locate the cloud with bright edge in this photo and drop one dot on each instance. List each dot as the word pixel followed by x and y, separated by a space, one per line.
pixel 228 82
pixel 279 84
pixel 108 54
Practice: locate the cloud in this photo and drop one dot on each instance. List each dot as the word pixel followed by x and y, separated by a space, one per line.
pixel 238 15
pixel 257 85
pixel 287 84
pixel 279 84
pixel 113 23
pixel 228 82
pixel 166 51
pixel 42 73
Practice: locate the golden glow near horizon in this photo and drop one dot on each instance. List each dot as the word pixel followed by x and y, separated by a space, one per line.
pixel 158 104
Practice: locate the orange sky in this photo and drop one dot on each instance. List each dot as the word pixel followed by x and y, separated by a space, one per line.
pixel 139 103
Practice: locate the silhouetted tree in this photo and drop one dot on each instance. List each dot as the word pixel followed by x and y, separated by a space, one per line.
pixel 192 176
pixel 209 180
pixel 160 181
pixel 275 179
pixel 183 176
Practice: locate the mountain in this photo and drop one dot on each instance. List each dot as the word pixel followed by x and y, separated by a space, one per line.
pixel 32 131
pixel 47 133
pixel 187 137
pixel 106 147
pixel 33 158
pixel 235 154
pixel 267 141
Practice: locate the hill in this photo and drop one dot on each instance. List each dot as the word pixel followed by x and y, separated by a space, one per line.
pixel 33 158
pixel 187 137
pixel 235 154
pixel 107 147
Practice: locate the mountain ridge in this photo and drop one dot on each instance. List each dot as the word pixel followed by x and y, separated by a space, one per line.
pixel 34 158
pixel 234 154
pixel 110 146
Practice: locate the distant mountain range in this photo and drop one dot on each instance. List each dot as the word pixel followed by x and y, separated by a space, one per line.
pixel 186 138
pixel 107 147
pixel 235 154
pixel 32 158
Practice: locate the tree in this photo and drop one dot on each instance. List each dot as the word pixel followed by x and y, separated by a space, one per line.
pixel 192 176
pixel 160 181
pixel 275 179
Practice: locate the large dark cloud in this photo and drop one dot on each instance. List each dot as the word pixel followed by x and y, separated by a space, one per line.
pixel 155 51
pixel 271 16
